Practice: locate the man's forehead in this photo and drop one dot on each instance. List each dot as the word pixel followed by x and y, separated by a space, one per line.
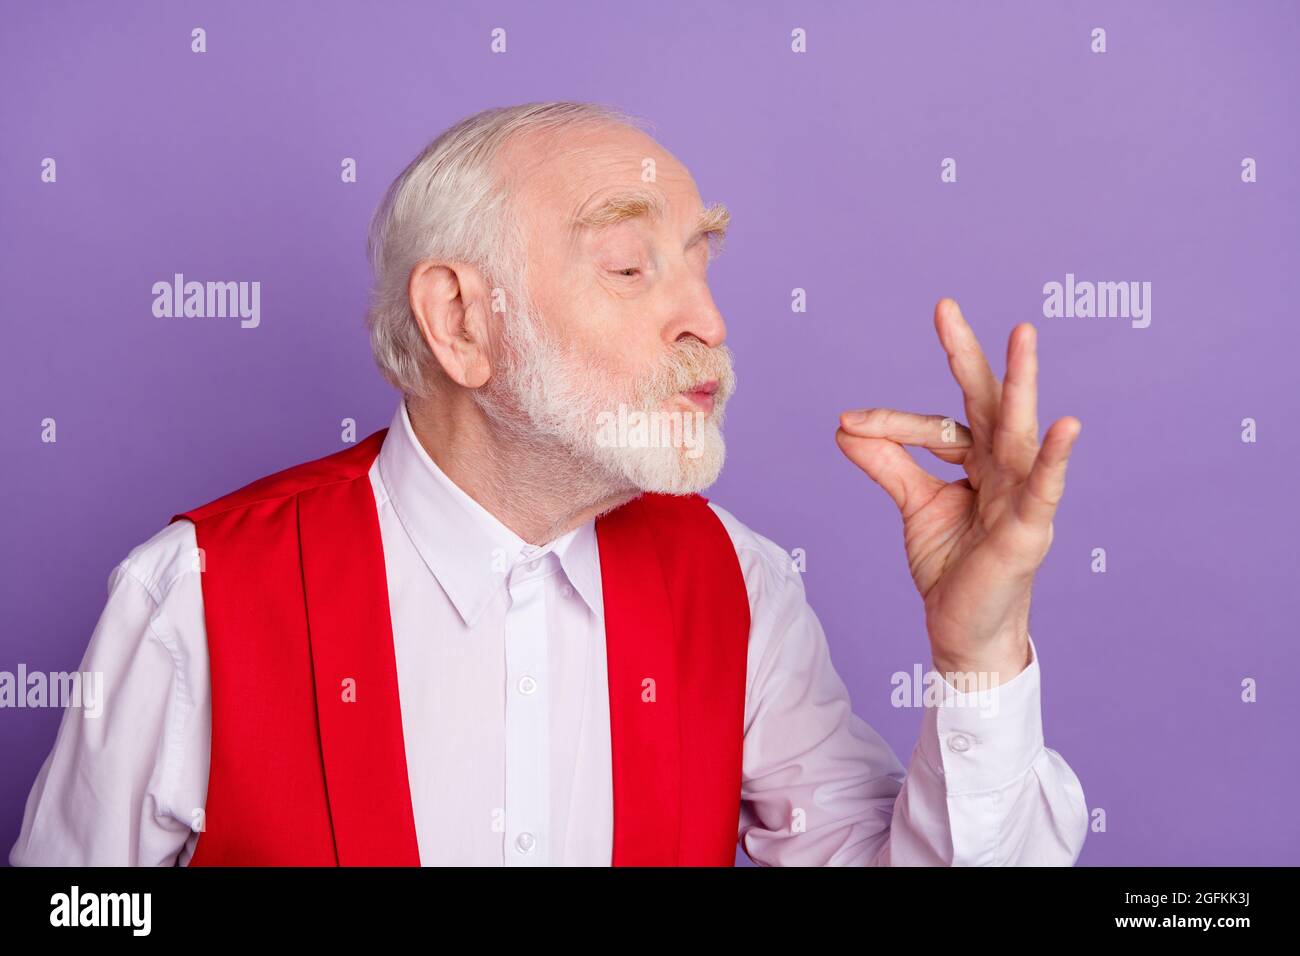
pixel 573 175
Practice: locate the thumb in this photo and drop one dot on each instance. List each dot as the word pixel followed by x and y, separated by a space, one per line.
pixel 889 465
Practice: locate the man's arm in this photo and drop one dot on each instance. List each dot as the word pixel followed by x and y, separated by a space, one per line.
pixel 1010 800
pixel 119 789
pixel 821 788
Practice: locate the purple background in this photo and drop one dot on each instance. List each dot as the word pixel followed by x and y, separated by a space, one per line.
pixel 1122 166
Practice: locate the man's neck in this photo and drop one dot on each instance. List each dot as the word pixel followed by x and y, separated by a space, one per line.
pixel 537 490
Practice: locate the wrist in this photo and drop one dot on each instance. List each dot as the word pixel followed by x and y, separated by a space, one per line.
pixel 997 662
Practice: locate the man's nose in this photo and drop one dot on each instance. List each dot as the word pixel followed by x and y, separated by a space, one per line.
pixel 698 317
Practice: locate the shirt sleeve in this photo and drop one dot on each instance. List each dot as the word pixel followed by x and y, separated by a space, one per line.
pixel 119 786
pixel 822 788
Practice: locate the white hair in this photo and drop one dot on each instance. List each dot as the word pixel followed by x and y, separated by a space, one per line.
pixel 452 203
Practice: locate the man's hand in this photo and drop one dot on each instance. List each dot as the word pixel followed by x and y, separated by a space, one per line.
pixel 974 545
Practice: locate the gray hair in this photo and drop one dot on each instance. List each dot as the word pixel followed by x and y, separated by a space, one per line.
pixel 452 203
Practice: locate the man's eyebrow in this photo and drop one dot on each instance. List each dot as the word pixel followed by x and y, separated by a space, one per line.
pixel 621 207
pixel 618 208
pixel 713 223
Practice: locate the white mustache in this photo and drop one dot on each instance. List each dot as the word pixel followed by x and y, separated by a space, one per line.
pixel 689 366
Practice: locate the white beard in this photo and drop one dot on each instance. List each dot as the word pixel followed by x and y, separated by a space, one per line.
pixel 545 394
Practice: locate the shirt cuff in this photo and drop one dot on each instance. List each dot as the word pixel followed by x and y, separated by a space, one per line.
pixel 987 737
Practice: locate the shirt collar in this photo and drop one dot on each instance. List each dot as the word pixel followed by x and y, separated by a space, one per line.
pixel 466 547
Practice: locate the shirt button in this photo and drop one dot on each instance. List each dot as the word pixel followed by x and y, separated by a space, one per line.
pixel 959 743
pixel 534 565
pixel 566 591
pixel 525 842
pixel 527 685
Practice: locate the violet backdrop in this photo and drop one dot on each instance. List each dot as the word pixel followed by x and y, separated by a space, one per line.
pixel 1116 166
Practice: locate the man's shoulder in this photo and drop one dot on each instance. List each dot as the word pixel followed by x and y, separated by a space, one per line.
pixel 345 465
pixel 688 522
pixel 170 555
pixel 760 556
pixel 158 563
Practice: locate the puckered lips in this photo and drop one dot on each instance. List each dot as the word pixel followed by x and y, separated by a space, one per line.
pixel 701 395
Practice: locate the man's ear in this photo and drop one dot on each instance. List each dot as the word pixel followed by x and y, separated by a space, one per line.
pixel 452 306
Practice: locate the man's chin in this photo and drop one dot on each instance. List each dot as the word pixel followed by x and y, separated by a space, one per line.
pixel 672 471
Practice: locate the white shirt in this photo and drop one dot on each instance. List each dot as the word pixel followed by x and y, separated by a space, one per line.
pixel 500 652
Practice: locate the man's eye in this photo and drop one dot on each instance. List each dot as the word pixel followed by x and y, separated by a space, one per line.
pixel 629 271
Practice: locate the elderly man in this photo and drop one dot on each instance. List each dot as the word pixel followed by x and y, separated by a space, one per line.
pixel 504 631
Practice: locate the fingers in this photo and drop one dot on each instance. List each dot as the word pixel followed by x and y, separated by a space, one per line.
pixel 946 437
pixel 1015 439
pixel 1042 491
pixel 971 370
pixel 891 467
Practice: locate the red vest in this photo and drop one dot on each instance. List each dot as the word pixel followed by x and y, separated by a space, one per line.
pixel 296 601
